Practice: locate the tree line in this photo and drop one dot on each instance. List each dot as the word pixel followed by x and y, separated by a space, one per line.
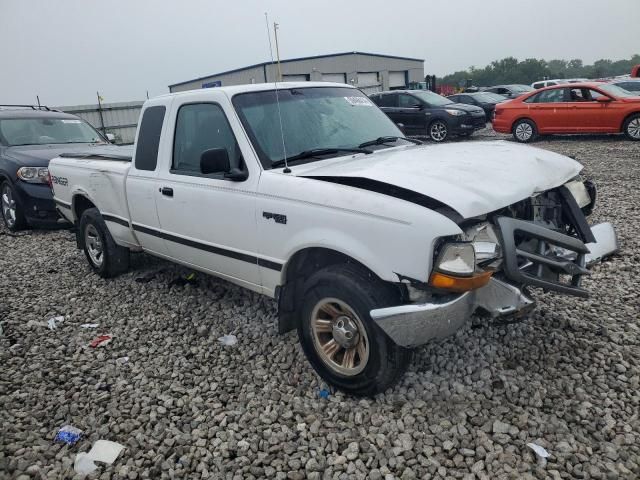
pixel 510 70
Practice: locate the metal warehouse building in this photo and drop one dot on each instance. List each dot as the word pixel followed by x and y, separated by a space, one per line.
pixel 371 72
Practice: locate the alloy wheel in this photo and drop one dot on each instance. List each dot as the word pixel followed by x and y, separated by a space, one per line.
pixel 438 131
pixel 524 131
pixel 339 337
pixel 8 206
pixel 93 245
pixel 634 128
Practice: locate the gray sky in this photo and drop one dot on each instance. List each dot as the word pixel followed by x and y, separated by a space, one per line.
pixel 65 50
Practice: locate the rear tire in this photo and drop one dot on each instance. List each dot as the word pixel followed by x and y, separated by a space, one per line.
pixel 632 127
pixel 525 131
pixel 105 257
pixel 12 213
pixel 341 341
pixel 438 131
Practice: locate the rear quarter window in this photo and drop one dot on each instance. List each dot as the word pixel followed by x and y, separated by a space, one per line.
pixel 149 138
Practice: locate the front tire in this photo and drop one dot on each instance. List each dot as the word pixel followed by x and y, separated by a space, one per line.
pixel 12 213
pixel 341 341
pixel 105 257
pixel 438 131
pixel 632 127
pixel 524 131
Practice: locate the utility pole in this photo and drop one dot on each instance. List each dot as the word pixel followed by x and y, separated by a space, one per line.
pixel 275 33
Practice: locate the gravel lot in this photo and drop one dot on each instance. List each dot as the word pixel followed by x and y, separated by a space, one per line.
pixel 186 406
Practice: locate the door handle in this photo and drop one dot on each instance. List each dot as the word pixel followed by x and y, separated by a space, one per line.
pixel 167 191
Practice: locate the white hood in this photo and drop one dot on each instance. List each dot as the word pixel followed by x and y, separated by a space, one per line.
pixel 473 178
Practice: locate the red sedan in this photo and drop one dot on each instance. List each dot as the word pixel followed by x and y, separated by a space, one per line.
pixel 573 108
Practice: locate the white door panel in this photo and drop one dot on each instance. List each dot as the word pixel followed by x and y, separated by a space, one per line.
pixel 397 79
pixel 334 77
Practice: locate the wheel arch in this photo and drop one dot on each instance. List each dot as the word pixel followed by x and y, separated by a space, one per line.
pixel 624 120
pixel 522 117
pixel 79 203
pixel 295 273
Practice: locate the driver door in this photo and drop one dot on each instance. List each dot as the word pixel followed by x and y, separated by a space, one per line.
pixel 208 220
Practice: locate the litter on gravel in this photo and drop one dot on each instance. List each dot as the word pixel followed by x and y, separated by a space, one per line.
pixel 90 325
pixel 228 340
pixel 101 341
pixel 68 434
pixel 540 452
pixel 104 451
pixel 122 360
pixel 53 322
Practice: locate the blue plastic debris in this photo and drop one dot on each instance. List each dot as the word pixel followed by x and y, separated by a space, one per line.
pixel 324 393
pixel 68 434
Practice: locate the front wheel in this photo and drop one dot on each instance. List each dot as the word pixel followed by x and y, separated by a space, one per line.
pixel 12 213
pixel 632 127
pixel 105 257
pixel 525 131
pixel 338 336
pixel 438 131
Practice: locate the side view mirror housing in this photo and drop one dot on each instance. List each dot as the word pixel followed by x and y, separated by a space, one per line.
pixel 214 160
pixel 603 99
pixel 111 137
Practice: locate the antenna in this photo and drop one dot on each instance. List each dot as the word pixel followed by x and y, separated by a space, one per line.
pixel 284 147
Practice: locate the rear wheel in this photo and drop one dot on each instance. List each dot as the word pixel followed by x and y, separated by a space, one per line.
pixel 438 131
pixel 632 127
pixel 338 336
pixel 12 213
pixel 525 131
pixel 105 257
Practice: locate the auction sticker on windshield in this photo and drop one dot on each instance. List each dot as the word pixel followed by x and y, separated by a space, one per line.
pixel 359 101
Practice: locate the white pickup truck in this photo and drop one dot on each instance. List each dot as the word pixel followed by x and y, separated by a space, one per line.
pixel 309 194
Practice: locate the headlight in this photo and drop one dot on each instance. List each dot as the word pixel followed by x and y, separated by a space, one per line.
pixel 579 192
pixel 455 113
pixel 457 259
pixel 33 174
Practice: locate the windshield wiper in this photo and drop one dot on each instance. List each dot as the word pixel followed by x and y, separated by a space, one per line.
pixel 316 152
pixel 383 140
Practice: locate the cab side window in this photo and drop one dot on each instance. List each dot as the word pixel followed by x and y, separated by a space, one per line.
pixel 201 127
pixel 149 138
pixel 385 100
pixel 548 96
pixel 407 101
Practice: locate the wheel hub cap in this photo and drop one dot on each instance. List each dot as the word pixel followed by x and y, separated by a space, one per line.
pixel 634 128
pixel 94 245
pixel 8 206
pixel 524 131
pixel 339 337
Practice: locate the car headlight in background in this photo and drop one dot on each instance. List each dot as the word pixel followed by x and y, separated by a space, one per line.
pixel 455 113
pixel 34 174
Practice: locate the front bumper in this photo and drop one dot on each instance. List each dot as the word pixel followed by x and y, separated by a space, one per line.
pixel 468 123
pixel 416 324
pixel 37 203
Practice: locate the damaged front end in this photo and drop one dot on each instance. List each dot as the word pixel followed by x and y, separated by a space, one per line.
pixel 543 241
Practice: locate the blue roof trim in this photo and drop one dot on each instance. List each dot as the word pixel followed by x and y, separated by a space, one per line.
pixel 299 59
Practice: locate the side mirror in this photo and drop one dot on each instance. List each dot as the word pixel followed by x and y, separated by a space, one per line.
pixel 111 137
pixel 215 160
pixel 603 99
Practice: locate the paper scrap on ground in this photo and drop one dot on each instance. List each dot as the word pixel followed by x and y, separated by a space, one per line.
pixel 90 325
pixel 228 340
pixel 102 451
pixel 122 360
pixel 53 321
pixel 101 341
pixel 541 453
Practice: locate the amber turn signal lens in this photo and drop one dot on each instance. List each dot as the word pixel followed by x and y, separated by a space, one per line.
pixel 459 284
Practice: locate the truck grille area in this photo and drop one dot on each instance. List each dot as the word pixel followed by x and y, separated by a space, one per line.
pixel 538 256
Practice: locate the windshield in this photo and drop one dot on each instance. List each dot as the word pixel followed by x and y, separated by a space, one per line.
pixel 616 91
pixel 433 99
pixel 41 131
pixel 521 88
pixel 489 97
pixel 312 118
